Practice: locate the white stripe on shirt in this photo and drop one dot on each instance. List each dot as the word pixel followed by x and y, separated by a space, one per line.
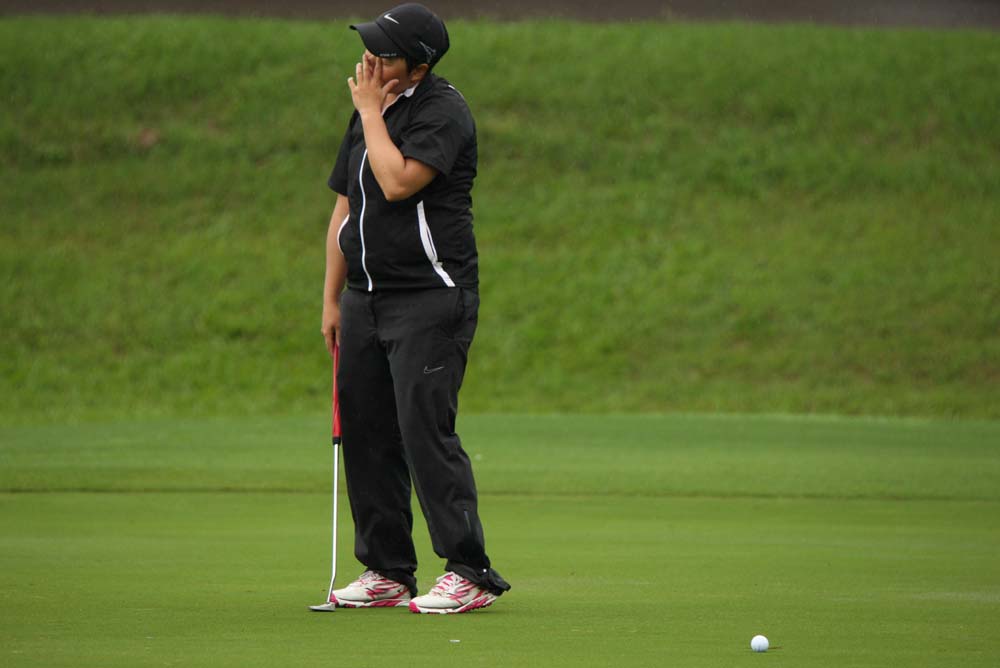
pixel 429 249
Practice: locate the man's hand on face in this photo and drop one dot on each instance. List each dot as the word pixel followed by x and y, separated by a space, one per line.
pixel 368 90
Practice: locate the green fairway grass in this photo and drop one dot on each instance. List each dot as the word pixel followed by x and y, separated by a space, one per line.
pixel 740 218
pixel 649 455
pixel 632 541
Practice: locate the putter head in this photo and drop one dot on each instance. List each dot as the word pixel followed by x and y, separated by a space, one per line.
pixel 324 607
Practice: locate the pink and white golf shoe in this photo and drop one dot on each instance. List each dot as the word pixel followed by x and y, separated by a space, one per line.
pixel 371 590
pixel 452 594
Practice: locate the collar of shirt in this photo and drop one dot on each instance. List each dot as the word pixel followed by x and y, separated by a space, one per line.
pixel 406 93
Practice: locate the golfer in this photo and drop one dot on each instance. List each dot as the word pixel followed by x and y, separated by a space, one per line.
pixel 401 240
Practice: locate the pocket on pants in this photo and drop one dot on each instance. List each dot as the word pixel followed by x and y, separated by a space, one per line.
pixel 467 315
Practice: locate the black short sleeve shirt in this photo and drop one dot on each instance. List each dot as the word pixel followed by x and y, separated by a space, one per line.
pixel 425 241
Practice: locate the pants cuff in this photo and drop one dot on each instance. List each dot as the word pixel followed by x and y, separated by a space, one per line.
pixel 484 577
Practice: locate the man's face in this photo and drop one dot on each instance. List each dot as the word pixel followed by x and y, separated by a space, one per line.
pixel 395 68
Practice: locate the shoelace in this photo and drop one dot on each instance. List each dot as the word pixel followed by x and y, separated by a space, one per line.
pixel 376 585
pixel 369 576
pixel 452 585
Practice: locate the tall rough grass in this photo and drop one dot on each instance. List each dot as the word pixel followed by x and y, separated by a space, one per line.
pixel 671 217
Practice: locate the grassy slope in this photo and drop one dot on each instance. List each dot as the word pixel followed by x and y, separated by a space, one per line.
pixel 849 542
pixel 738 218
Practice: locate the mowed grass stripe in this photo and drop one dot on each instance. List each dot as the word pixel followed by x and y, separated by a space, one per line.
pixel 518 455
pixel 537 495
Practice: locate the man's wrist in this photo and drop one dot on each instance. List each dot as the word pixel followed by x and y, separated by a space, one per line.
pixel 368 115
pixel 331 298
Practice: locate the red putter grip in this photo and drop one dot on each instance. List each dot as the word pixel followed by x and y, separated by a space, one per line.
pixel 336 403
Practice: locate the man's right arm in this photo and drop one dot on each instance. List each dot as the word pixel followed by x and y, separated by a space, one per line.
pixel 336 274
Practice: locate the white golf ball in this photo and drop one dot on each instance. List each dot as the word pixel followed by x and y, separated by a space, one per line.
pixel 759 644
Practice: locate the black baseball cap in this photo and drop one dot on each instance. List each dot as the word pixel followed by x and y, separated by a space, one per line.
pixel 408 30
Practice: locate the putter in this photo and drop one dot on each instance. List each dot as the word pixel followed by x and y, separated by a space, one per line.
pixel 328 606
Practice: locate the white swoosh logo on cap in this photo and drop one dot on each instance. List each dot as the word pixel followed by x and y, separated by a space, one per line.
pixel 388 17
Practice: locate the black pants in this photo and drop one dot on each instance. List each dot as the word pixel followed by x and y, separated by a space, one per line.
pixel 402 360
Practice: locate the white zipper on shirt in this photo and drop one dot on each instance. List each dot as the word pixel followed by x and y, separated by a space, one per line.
pixel 428 241
pixel 361 219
